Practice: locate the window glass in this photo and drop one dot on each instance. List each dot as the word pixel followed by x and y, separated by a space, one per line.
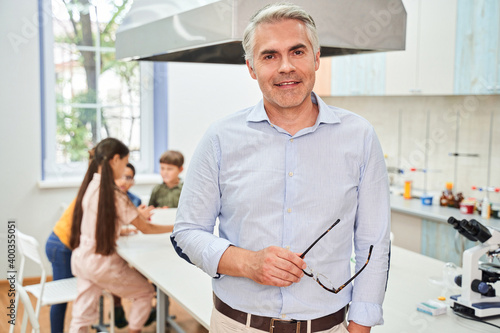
pixel 76 132
pixel 94 95
pixel 124 123
pixel 75 76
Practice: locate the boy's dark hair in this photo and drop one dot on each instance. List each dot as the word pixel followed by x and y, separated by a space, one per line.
pixel 172 157
pixel 131 167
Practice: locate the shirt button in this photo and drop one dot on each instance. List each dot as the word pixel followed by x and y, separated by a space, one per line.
pixel 291 140
pixel 290 174
pixel 287 247
pixel 283 316
pixel 289 210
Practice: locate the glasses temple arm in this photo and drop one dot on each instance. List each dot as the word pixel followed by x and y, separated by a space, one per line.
pixel 355 275
pixel 317 240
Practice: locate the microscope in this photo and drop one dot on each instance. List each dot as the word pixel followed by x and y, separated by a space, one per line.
pixel 478 298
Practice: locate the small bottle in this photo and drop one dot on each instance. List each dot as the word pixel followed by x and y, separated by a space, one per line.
pixel 443 201
pixel 407 190
pixel 485 208
pixel 448 192
pixel 451 201
pixel 459 198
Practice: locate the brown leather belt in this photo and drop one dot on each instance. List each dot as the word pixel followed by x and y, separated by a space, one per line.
pixel 275 325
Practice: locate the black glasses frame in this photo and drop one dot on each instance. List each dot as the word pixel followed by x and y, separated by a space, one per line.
pixel 334 290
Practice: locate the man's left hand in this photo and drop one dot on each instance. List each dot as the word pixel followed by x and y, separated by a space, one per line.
pixel 357 328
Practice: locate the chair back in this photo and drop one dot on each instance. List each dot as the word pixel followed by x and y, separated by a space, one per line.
pixel 29 248
pixel 28 309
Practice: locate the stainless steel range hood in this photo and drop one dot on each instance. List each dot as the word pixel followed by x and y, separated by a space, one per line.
pixel 210 31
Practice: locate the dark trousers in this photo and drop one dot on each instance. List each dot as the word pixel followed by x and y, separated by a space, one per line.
pixel 60 257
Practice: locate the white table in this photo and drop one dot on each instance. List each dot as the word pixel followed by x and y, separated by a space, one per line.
pixel 154 256
pixel 408 285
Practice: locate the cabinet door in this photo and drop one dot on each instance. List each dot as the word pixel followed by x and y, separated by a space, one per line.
pixel 360 74
pixel 477 69
pixel 427 64
pixel 442 242
pixel 436 49
pixel 401 66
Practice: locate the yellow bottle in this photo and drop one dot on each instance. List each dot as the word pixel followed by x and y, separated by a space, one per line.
pixel 407 190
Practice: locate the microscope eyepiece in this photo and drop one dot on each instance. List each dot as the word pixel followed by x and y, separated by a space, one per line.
pixel 476 229
pixel 457 226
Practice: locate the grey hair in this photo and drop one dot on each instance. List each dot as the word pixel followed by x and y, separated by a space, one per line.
pixel 274 13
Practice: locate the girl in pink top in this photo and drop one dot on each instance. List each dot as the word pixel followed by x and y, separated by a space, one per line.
pixel 101 210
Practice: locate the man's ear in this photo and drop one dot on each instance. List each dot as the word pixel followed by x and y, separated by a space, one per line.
pixel 251 71
pixel 317 60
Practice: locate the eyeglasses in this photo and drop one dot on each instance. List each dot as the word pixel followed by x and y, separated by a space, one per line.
pixel 129 179
pixel 322 279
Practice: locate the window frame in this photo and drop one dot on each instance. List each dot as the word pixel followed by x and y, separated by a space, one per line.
pixel 69 173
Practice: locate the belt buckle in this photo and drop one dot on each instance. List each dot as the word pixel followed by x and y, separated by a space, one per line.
pixel 273 320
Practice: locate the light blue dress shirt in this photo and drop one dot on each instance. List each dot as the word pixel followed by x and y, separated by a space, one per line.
pixel 268 187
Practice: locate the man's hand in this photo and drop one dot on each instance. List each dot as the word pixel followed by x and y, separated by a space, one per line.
pixel 357 328
pixel 273 266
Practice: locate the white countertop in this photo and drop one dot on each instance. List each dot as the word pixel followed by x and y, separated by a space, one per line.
pixel 434 212
pixel 409 283
pixel 155 257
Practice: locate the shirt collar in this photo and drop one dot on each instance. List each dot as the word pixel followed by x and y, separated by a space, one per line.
pixel 171 188
pixel 326 115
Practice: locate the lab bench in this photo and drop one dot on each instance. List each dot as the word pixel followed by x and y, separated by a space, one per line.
pixel 424 229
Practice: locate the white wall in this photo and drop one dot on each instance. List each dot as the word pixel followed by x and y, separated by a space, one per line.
pixel 473 130
pixel 20 128
pixel 198 94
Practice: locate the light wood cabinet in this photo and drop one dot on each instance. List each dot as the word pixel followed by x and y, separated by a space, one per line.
pixel 477 59
pixel 452 48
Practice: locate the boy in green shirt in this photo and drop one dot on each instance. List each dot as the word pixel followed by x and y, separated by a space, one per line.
pixel 166 194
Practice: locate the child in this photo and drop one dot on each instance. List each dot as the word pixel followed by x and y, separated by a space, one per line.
pixel 100 210
pixel 126 182
pixel 58 252
pixel 167 194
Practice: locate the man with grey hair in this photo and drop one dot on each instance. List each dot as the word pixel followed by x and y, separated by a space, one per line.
pixel 294 183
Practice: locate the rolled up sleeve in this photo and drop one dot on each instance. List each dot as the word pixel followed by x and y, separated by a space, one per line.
pixel 372 227
pixel 199 207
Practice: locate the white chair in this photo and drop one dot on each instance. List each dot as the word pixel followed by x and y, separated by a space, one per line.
pixel 47 293
pixel 28 309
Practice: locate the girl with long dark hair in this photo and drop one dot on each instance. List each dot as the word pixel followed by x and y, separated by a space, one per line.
pixel 101 209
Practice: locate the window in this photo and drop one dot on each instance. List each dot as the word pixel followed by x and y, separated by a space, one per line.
pixel 87 95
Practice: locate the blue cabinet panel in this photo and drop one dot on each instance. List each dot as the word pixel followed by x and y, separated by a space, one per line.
pixel 441 241
pixel 477 55
pixel 360 74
